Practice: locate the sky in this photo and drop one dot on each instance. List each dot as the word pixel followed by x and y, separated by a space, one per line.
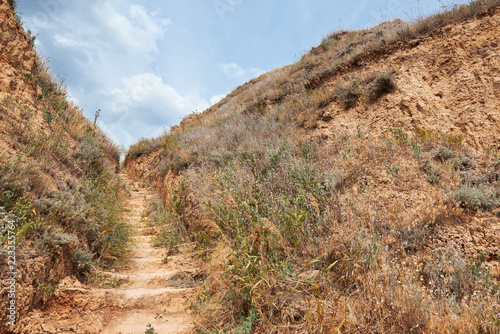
pixel 147 63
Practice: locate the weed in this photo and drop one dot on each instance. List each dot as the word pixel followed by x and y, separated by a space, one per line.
pixel 184 279
pixel 416 149
pixel 9 103
pixel 399 134
pixel 428 136
pixel 450 275
pixel 83 260
pixel 14 181
pixel 391 169
pixel 384 84
pixel 44 78
pixel 31 37
pixel 53 238
pixel 150 330
pixel 246 325
pixel 463 163
pixel 475 197
pixel 12 4
pixel 172 233
pixel 413 238
pixel 349 95
pixel 205 240
pixel 444 154
pixel 45 289
pixel 47 115
pixel 433 174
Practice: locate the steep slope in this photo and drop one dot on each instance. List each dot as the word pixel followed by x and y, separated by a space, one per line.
pixel 447 82
pixel 60 198
pixel 357 190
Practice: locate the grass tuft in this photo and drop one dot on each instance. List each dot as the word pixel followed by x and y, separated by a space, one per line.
pixel 384 84
pixel 476 197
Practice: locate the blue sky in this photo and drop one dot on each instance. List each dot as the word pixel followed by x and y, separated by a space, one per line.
pixel 148 63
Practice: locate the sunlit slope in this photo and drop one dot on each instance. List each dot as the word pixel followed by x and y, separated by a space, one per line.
pixel 354 191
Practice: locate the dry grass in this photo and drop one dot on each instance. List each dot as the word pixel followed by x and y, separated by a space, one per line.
pixel 314 248
pixel 344 235
pixel 62 176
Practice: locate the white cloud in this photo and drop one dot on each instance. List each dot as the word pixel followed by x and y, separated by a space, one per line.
pixel 145 105
pixel 66 41
pixel 130 60
pixel 112 34
pixel 233 70
pixel 138 32
pixel 216 98
pixel 149 90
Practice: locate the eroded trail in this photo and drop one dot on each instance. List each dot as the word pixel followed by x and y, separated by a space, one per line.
pixel 148 291
pixel 147 297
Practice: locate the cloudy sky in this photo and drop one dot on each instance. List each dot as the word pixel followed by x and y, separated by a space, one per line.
pixel 147 63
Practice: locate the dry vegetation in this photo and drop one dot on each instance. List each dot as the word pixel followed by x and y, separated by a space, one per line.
pixel 58 184
pixel 346 235
pixel 87 205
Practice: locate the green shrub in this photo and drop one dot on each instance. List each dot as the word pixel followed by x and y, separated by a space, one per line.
pixel 173 231
pixel 463 163
pixel 48 116
pixel 399 134
pixel 384 84
pixel 83 262
pixel 444 154
pixel 12 4
pixel 45 79
pixel 475 197
pixel 144 146
pixel 432 172
pixel 150 330
pixel 412 238
pixel 13 181
pixel 53 238
pixel 349 95
pixel 89 155
pixel 449 276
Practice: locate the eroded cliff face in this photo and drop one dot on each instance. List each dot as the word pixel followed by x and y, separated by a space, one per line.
pixel 17 61
pixel 448 81
pixel 17 57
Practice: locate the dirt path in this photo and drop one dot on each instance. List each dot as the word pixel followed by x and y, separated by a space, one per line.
pixel 147 294
pixel 155 303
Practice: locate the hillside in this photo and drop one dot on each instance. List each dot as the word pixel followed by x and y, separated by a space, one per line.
pixel 60 204
pixel 356 190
